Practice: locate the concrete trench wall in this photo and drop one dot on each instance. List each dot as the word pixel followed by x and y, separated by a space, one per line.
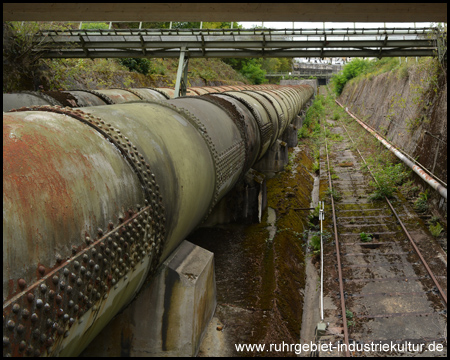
pixel 84 226
pixel 390 103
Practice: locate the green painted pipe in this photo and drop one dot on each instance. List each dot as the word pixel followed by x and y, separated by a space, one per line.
pixel 95 199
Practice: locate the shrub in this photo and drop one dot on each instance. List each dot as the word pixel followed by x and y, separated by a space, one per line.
pixel 365 237
pixel 140 65
pixel 303 133
pixel 336 115
pixel 315 242
pixel 388 178
pixel 436 229
pixel 421 204
pixel 351 70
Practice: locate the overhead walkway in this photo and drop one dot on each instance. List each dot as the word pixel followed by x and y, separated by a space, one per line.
pixel 232 43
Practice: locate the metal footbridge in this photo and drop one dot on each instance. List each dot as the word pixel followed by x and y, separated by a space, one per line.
pixel 238 43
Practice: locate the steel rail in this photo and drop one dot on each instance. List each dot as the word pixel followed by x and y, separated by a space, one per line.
pixel 416 249
pixel 341 282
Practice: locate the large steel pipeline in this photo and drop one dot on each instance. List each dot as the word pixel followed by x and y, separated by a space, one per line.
pixel 86 98
pixel 95 199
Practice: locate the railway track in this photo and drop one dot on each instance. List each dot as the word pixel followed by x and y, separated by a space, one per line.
pixel 389 287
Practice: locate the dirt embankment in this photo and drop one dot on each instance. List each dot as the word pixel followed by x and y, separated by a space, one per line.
pixel 409 108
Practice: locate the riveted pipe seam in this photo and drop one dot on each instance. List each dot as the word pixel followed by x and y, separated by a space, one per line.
pixel 237 117
pixel 101 95
pixel 264 127
pixel 279 110
pixel 85 99
pixel 201 129
pixel 271 111
pixel 139 96
pixel 251 132
pixel 285 104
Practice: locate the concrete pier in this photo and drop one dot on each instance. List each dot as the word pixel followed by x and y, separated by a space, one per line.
pixel 245 203
pixel 275 158
pixel 170 315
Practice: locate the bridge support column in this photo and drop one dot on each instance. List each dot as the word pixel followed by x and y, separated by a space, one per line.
pixel 170 315
pixel 181 82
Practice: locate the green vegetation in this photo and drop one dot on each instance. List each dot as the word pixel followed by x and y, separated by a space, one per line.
pixel 315 214
pixel 436 229
pixel 24 68
pixel 351 70
pixel 388 177
pixel 421 204
pixel 365 237
pixel 140 65
pixel 288 166
pixel 358 69
pixel 434 226
pixel 314 242
pixel 20 62
pixel 314 114
pixel 349 315
pixel 334 193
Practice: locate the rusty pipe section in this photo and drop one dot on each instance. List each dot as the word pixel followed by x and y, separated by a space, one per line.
pixel 442 190
pixel 95 199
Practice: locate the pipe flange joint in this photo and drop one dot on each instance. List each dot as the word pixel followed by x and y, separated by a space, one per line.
pixel 103 97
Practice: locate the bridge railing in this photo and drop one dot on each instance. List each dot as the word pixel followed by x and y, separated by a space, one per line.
pixel 300 74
